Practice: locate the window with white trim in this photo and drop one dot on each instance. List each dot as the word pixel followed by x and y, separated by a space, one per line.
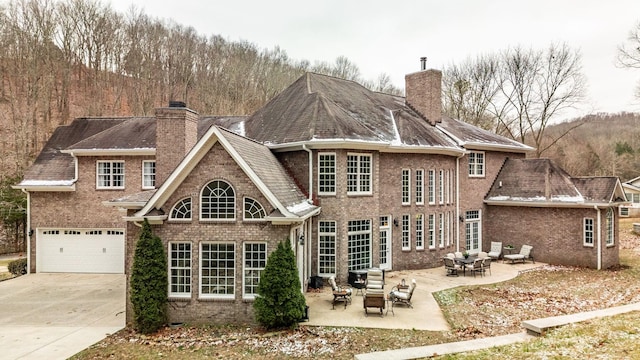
pixel 476 164
pixel 217 270
pixel 359 174
pixel 450 229
pixel 419 187
pixel 624 211
pixel 180 269
pixel 588 231
pixel 217 201
pixel 441 187
pixel 432 191
pixel 326 173
pixel 432 231
pixel 610 227
pixel 326 248
pixel 448 187
pixel 419 232
pixel 406 187
pixel 359 244
pixel 181 211
pixel 110 175
pixel 406 232
pixel 441 229
pixel 148 174
pixel 255 260
pixel 253 210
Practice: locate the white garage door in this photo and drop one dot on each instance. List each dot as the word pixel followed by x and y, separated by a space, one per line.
pixel 80 250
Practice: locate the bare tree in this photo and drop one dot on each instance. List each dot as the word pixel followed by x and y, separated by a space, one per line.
pixel 629 53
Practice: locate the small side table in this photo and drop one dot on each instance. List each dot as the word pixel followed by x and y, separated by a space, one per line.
pixel 359 285
pixel 508 250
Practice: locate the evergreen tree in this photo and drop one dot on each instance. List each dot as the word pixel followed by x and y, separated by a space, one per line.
pixel 149 282
pixel 280 303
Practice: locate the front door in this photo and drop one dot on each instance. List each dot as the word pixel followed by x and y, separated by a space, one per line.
pixel 473 231
pixel 385 243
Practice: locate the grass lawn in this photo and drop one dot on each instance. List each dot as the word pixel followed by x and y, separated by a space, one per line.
pixel 473 312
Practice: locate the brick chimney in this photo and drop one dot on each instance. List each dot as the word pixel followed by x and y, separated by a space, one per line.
pixel 424 92
pixel 176 135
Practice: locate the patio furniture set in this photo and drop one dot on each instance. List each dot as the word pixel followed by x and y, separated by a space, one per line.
pixel 481 263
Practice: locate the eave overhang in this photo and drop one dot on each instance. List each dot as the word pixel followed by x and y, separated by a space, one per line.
pixel 46 188
pixel 111 152
pixel 365 145
pixel 553 204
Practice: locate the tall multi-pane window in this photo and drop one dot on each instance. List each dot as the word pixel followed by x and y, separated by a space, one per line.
pixel 431 186
pixel 326 248
pixel 180 269
pixel 419 231
pixel 473 231
pixel 406 186
pixel 255 260
pixel 326 174
pixel 431 232
pixel 110 175
pixel 217 270
pixel 406 232
pixel 588 232
pixel 610 228
pixel 419 187
pixel 359 244
pixel 476 164
pixel 441 229
pixel 448 187
pixel 218 201
pixel 359 174
pixel 148 174
pixel 441 187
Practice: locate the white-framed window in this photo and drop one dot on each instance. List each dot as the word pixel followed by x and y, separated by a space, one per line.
pixel 217 270
pixel 419 232
pixel 441 187
pixel 450 229
pixel 588 231
pixel 432 231
pixel 148 174
pixel 359 174
pixel 359 244
pixel 180 269
pixel 217 201
pixel 419 187
pixel 255 260
pixel 476 164
pixel 441 230
pixel 448 187
pixel 326 173
pixel 327 248
pixel 432 187
pixel 624 211
pixel 406 187
pixel 253 210
pixel 110 174
pixel 473 230
pixel 610 228
pixel 181 211
pixel 406 232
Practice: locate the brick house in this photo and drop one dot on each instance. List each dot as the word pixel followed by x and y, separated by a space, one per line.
pixel 632 191
pixel 352 178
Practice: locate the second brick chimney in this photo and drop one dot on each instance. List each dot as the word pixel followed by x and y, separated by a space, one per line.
pixel 424 92
pixel 176 135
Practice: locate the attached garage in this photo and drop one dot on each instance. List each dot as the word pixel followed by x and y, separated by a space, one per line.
pixel 80 250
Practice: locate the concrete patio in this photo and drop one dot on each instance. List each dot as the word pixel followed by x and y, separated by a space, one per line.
pixel 425 314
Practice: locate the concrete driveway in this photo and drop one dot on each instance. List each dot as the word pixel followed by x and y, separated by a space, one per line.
pixel 54 316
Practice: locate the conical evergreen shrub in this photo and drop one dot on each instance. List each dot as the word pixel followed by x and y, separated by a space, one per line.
pixel 149 282
pixel 280 303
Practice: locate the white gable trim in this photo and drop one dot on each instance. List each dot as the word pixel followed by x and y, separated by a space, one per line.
pixel 111 152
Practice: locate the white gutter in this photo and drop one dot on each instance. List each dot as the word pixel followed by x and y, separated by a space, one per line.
pixel 304 147
pixel 599 246
pixel 28 230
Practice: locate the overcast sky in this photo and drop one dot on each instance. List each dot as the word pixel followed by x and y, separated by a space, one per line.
pixel 390 36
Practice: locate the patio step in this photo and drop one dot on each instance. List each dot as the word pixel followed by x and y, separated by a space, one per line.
pixel 540 326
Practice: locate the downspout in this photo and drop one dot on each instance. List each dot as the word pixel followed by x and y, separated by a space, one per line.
pixel 304 147
pixel 28 230
pixel 599 238
pixel 306 226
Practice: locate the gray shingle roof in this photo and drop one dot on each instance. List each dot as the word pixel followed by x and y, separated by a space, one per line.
pixel 472 137
pixel 134 133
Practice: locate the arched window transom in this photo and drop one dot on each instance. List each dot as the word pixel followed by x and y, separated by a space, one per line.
pixel 218 201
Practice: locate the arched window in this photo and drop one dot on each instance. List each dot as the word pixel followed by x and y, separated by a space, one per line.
pixel 610 227
pixel 218 201
pixel 181 210
pixel 253 210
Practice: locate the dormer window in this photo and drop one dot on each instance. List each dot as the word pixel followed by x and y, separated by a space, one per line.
pixel 110 175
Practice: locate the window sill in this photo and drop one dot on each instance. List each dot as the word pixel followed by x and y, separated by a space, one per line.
pixel 214 299
pixel 179 299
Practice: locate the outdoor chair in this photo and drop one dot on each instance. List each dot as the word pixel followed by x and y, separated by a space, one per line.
pixel 475 267
pixel 339 293
pixel 523 255
pixel 486 265
pixel 374 279
pixel 458 254
pixel 496 250
pixel 373 298
pixel 451 255
pixel 482 255
pixel 402 297
pixel 451 266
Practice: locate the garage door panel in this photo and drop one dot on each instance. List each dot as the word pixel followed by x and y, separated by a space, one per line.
pixel 80 251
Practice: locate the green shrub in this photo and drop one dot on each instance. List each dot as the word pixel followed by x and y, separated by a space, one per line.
pixel 149 282
pixel 18 267
pixel 280 303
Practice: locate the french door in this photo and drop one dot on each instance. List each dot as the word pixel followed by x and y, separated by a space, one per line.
pixel 385 243
pixel 473 229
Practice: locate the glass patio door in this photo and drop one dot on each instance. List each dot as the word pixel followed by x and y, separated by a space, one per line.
pixel 473 231
pixel 385 243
